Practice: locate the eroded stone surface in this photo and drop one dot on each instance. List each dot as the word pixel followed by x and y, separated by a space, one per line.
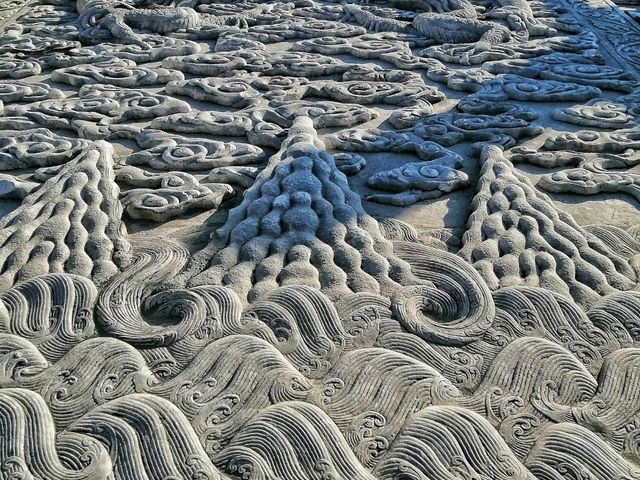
pixel 288 241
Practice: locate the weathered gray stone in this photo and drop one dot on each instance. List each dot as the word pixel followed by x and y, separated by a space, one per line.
pixel 309 240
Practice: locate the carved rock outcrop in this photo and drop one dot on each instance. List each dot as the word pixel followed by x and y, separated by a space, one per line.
pixel 71 224
pixel 516 236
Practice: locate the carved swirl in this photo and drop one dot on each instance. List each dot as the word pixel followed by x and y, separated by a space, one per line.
pixel 455 309
pixel 131 308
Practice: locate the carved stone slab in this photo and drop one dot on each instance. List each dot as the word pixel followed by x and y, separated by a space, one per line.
pixel 364 240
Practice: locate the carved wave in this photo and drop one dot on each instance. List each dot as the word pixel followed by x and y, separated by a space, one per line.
pixel 54 312
pixel 304 325
pixel 227 383
pixel 92 373
pixel 131 308
pixel 448 442
pixel 30 449
pixel 291 441
pixel 456 307
pixel 148 438
pixel 529 311
pixel 570 451
pixel 370 392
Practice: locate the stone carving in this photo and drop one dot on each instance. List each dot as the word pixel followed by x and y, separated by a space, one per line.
pixel 123 73
pixel 584 45
pixel 134 104
pixel 161 204
pixel 564 158
pixel 243 176
pixel 212 123
pixel 149 48
pixel 418 181
pixel 14 188
pixel 300 64
pixel 587 182
pixel 449 129
pixel 273 33
pixel 30 44
pixel 69 113
pixel 464 432
pixel 349 163
pixel 213 64
pixel 53 311
pixel 327 450
pixel 593 141
pixel 323 114
pixel 379 92
pixel 172 152
pixel 574 449
pixel 97 108
pixel 525 89
pixel 237 94
pixel 101 19
pixel 597 114
pixel 309 240
pixel 550 68
pixel 517 237
pixel 296 176
pixel 36 237
pixel 37 148
pixel 11 67
pixel 21 91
